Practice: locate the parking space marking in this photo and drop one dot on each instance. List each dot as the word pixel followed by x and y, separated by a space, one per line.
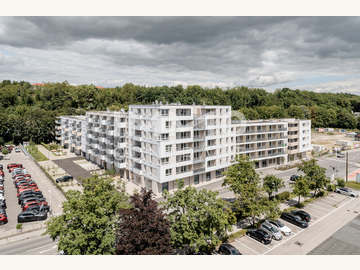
pixel 311 224
pixel 43 251
pixel 257 242
pixel 247 247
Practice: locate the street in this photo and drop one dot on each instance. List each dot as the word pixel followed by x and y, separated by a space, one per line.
pixel 36 245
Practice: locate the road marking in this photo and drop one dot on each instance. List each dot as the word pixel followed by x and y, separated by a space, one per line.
pixel 311 224
pixel 246 246
pixel 257 242
pixel 47 249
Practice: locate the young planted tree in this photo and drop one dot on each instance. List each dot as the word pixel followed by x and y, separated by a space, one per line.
pixel 199 220
pixel 272 184
pixel 87 225
pixel 143 229
pixel 315 175
pixel 243 180
pixel 301 188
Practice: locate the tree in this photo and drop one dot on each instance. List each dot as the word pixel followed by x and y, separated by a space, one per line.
pixel 301 188
pixel 315 175
pixel 340 182
pixel 87 225
pixel 272 184
pixel 243 180
pixel 5 151
pixel 199 221
pixel 143 229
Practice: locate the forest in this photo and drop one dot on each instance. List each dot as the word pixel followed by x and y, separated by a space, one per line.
pixel 27 112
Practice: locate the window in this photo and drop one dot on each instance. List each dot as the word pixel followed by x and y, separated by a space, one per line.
pixel 196 179
pixel 219 173
pixel 164 186
pixel 168 172
pixel 208 176
pixel 182 146
pixel 183 135
pixel 165 160
pixel 181 158
pixel 183 112
pixel 164 112
pixel 167 124
pixel 181 169
pixel 165 136
pixel 168 148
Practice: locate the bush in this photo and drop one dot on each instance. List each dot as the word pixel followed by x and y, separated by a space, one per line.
pixel 340 182
pixel 19 226
pixel 283 196
pixel 5 151
pixel 331 187
pixel 321 193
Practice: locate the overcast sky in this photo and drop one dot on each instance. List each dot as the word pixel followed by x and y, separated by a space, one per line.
pixel 315 53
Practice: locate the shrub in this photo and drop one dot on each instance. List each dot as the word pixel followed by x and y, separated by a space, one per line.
pixel 5 151
pixel 340 182
pixel 321 193
pixel 330 187
pixel 283 196
pixel 19 226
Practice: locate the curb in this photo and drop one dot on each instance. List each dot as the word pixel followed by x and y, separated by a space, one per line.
pixel 21 233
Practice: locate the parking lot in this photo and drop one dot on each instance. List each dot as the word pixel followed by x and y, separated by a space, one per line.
pixel 50 192
pixel 319 211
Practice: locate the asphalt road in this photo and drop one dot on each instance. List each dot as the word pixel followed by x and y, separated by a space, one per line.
pixel 72 168
pixel 38 245
pixel 345 241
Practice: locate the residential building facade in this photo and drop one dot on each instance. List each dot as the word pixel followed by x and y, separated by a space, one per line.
pixel 156 145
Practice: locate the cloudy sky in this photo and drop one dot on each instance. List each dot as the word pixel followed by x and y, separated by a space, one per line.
pixel 315 53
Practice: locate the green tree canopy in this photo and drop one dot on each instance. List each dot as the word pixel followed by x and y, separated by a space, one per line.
pixel 199 221
pixel 87 225
pixel 272 184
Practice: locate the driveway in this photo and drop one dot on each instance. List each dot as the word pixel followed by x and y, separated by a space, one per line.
pixel 73 169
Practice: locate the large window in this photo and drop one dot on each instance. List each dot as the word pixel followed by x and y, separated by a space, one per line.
pixel 164 186
pixel 168 148
pixel 165 136
pixel 196 179
pixel 208 176
pixel 164 112
pixel 168 172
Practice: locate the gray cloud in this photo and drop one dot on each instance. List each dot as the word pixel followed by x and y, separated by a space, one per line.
pixel 226 51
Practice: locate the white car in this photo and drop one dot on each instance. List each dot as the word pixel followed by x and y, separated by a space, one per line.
pixel 282 228
pixel 17 150
pixel 272 230
pixel 347 191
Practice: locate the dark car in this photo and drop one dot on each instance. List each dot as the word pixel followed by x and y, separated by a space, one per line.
pixel 294 219
pixel 1 167
pixel 33 215
pixel 260 235
pixel 29 197
pixel 304 215
pixel 65 178
pixel 294 177
pixel 37 207
pixel 2 204
pixel 227 249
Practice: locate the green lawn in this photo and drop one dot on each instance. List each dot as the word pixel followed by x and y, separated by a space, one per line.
pixel 33 150
pixel 353 185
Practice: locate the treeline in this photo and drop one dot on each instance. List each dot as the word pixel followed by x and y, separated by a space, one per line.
pixel 27 112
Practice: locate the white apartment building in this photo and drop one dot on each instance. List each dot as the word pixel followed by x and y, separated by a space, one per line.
pixel 156 145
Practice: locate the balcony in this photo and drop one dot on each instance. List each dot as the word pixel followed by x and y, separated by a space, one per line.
pixel 110 152
pixel 102 140
pixel 110 132
pixel 120 165
pixel 96 129
pixel 103 122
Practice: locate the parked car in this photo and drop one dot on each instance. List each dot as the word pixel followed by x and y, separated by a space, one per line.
pixel 42 205
pixel 17 150
pixel 227 249
pixel 294 177
pixel 1 167
pixel 3 219
pixel 260 235
pixel 272 230
pixel 65 178
pixel 33 215
pixel 3 204
pixel 284 229
pixel 302 214
pixel 30 195
pixel 347 191
pixel 294 219
pixel 340 155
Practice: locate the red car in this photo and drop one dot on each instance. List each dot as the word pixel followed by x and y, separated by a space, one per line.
pixel 3 219
pixel 14 165
pixel 1 173
pixel 23 186
pixel 28 204
pixel 25 189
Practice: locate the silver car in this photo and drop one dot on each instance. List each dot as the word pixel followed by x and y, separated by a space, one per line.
pixel 347 191
pixel 272 230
